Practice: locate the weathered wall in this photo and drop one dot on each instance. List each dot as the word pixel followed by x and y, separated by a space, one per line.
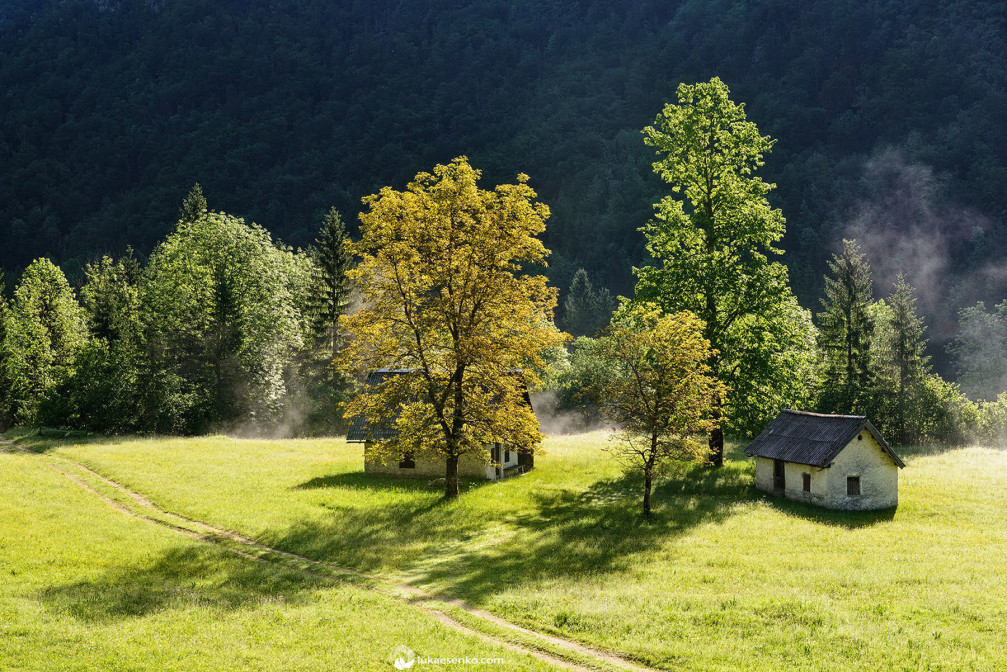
pixel 879 476
pixel 764 474
pixel 468 467
pixel 793 480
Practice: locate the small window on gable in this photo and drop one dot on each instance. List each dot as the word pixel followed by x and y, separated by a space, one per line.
pixel 860 437
pixel 807 482
pixel 852 485
pixel 407 462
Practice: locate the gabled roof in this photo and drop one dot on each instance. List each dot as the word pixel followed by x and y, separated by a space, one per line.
pixel 360 431
pixel 813 438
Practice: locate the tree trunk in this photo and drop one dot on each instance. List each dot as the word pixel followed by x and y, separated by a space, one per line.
pixel 717 437
pixel 648 474
pixel 451 478
pixel 647 481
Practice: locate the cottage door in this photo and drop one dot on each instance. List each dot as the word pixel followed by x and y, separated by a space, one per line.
pixel 779 475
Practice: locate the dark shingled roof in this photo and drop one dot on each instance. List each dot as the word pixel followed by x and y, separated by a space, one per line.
pixel 360 431
pixel 813 438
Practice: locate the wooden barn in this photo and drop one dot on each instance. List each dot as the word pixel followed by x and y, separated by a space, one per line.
pixel 503 462
pixel 835 461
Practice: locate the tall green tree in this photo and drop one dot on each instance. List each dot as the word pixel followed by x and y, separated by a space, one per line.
pixel 105 391
pixel 711 241
pixel 46 331
pixel 222 323
pixel 846 330
pixel 322 388
pixel 905 361
pixel 5 381
pixel 330 287
pixel 586 310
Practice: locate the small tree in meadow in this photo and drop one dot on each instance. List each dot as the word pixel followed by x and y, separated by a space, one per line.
pixel 660 392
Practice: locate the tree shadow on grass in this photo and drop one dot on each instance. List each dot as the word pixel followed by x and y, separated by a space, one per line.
pixel 523 530
pixel 359 480
pixel 185 577
pixel 42 440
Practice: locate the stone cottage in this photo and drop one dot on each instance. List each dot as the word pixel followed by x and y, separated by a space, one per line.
pixel 835 461
pixel 503 462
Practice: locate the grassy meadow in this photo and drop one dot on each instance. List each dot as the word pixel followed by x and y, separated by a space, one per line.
pixel 722 578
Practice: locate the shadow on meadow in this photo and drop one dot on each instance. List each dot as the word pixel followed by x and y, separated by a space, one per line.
pixel 358 480
pixel 850 520
pixel 192 576
pixel 522 530
pixel 41 439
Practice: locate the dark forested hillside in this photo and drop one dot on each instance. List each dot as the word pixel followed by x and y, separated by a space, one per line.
pixel 889 118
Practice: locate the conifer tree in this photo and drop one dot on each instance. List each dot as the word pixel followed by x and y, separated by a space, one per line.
pixel 330 292
pixel 194 205
pixel 586 310
pixel 904 346
pixel 845 332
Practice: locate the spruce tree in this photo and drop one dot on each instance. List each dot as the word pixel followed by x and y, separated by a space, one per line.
pixel 586 310
pixel 330 292
pixel 905 345
pixel 845 332
pixel 194 205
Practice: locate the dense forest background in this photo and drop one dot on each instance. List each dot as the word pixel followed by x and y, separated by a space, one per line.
pixel 889 118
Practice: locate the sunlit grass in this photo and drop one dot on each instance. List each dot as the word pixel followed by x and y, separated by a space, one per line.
pixel 85 587
pixel 722 578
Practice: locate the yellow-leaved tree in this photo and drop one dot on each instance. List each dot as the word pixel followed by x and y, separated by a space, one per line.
pixel 446 299
pixel 658 389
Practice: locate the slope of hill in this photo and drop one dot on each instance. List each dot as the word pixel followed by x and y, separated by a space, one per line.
pixel 109 111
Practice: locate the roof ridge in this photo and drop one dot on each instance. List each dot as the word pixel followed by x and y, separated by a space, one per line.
pixel 824 415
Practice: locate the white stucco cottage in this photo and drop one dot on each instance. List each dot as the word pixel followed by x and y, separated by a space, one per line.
pixel 836 461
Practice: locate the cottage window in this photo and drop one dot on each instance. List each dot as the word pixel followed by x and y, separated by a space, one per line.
pixel 407 462
pixel 807 482
pixel 506 455
pixel 852 485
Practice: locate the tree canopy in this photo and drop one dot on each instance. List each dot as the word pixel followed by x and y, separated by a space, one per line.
pixel 711 241
pixel 446 297
pixel 223 321
pixel 658 389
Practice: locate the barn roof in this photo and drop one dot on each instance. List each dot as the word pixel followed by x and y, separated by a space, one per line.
pixel 360 430
pixel 813 438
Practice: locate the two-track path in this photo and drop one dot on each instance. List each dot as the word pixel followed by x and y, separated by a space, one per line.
pixel 563 653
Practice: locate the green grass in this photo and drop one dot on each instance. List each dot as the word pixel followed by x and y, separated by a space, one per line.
pixel 722 578
pixel 85 587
